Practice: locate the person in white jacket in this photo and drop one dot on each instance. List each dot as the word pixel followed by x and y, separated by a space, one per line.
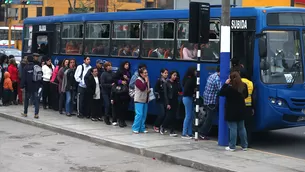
pixel 47 70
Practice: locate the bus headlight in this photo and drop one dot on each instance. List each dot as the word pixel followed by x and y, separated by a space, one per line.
pixel 277 102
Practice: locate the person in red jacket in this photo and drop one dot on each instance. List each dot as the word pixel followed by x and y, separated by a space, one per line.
pixel 13 70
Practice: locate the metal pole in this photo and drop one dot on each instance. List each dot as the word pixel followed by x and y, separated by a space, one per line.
pixel 9 32
pixel 225 36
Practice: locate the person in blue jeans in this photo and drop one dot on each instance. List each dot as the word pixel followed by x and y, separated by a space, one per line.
pixel 32 88
pixel 141 101
pixel 189 88
pixel 69 86
pixel 235 92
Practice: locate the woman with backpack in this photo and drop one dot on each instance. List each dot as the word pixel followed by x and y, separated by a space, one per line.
pixel 47 70
pixel 159 93
pixel 120 94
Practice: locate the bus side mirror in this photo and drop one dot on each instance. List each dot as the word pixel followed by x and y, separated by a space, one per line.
pixel 262 46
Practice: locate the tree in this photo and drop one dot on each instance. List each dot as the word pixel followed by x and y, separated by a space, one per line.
pixel 114 5
pixel 83 7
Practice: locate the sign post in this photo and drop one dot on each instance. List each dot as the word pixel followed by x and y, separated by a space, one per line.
pixel 199 27
pixel 224 68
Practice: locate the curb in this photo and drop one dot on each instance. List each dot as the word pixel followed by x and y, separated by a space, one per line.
pixel 119 145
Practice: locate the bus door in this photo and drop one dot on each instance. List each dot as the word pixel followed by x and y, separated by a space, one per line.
pixel 42 43
pixel 242 41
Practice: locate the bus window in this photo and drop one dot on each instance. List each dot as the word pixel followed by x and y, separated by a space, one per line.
pixel 158 39
pixel 97 38
pixel 283 61
pixel 188 51
pixel 27 39
pixel 56 48
pixel 72 39
pixel 126 39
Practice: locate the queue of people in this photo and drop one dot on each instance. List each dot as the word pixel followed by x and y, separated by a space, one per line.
pixel 100 94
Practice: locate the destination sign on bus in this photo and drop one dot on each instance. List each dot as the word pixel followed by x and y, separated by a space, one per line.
pixel 242 24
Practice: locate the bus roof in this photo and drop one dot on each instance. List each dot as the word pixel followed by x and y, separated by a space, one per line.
pixel 154 15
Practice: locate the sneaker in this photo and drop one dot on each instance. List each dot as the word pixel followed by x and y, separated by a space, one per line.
pixel 68 114
pixel 36 116
pixel 156 129
pixel 145 131
pixel 162 130
pixel 114 123
pixel 135 132
pixel 202 137
pixel 229 149
pixel 24 115
pixel 173 134
pixel 186 137
pixel 93 119
pixel 100 119
pixel 244 149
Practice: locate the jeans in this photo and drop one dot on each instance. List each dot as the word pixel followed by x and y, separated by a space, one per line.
pixel 35 98
pixel 207 125
pixel 240 127
pixel 161 115
pixel 68 102
pixel 189 116
pixel 140 118
pixel 106 100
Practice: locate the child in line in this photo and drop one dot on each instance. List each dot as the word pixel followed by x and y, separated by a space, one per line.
pixel 7 89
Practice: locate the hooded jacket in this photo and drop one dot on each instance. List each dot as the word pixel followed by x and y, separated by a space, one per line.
pixel 7 82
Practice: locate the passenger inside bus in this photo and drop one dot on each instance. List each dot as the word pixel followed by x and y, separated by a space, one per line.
pixel 158 53
pixel 189 52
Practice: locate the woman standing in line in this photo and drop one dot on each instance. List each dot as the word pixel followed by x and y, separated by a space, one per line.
pixel 47 70
pixel 235 92
pixel 141 101
pixel 60 77
pixel 13 70
pixel 189 85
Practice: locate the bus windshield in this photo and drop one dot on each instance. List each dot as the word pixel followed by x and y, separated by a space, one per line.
pixel 283 64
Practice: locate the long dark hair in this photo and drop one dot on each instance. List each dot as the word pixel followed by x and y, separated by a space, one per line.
pixel 190 73
pixel 122 66
pixel 236 82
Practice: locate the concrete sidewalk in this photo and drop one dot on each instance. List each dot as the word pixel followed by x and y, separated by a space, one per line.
pixel 202 155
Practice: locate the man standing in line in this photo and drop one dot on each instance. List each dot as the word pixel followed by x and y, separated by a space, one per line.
pixel 31 81
pixel 82 100
pixel 211 91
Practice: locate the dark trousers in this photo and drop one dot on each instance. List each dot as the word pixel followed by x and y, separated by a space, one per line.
pixel 54 96
pixel 120 110
pixel 15 93
pixel 34 96
pixel 83 102
pixel 46 93
pixel 170 117
pixel 107 107
pixel 161 115
pixel 207 124
pixel 61 104
pixel 7 95
pixel 96 108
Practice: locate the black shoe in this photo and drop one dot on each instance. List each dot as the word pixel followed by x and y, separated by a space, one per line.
pixel 88 117
pixel 121 124
pixel 100 119
pixel 80 116
pixel 15 103
pixel 60 112
pixel 124 123
pixel 93 119
pixel 107 121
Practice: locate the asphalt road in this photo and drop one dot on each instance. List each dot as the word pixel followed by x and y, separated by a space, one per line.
pixel 29 149
pixel 288 142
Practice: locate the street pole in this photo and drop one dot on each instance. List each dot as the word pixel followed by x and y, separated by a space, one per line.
pixel 225 36
pixel 9 32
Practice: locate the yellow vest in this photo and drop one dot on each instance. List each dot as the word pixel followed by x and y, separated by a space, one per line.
pixel 248 100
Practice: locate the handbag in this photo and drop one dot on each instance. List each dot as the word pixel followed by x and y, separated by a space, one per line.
pixel 151 95
pixel 121 89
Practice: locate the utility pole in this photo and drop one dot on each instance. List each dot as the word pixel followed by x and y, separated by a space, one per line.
pixel 225 37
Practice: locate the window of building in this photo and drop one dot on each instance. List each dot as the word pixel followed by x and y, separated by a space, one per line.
pixel 97 38
pixel 56 48
pixel 188 51
pixel 24 13
pixel 158 39
pixel 49 11
pixel 39 11
pixel 126 39
pixel 72 38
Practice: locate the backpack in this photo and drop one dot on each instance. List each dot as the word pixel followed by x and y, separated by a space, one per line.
pixel 37 73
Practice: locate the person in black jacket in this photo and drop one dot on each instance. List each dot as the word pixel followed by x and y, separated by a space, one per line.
pixel 235 92
pixel 159 93
pixel 70 87
pixel 107 81
pixel 120 94
pixel 189 88
pixel 171 94
pixel 94 92
pixel 32 88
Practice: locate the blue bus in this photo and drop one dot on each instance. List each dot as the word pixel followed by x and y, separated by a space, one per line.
pixel 269 42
